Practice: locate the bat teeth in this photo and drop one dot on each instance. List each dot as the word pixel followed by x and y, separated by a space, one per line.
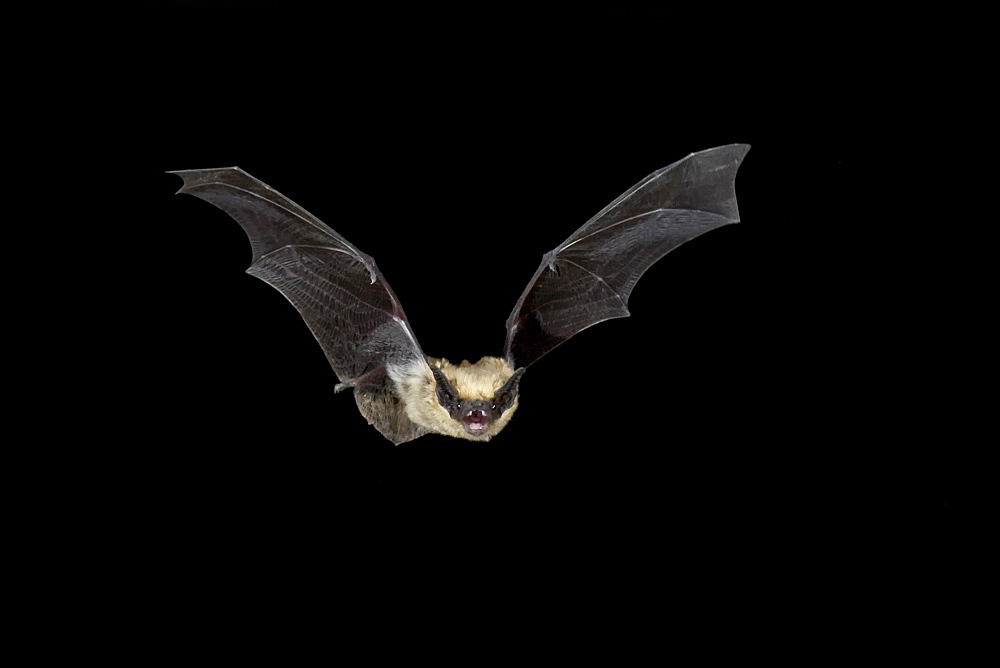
pixel 476 427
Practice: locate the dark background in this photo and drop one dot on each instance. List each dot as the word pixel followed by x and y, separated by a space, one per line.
pixel 699 466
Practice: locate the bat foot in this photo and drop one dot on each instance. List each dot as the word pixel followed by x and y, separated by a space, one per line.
pixel 374 379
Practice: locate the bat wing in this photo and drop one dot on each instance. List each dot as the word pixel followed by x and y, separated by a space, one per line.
pixel 588 278
pixel 338 290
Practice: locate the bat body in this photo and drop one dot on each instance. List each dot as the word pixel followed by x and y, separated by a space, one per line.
pixel 360 324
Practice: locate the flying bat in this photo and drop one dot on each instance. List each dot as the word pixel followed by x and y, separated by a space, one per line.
pixel 358 320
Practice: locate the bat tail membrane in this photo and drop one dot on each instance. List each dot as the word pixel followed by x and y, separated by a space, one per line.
pixel 588 278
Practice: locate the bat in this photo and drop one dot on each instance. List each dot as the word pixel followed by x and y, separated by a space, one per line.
pixel 358 320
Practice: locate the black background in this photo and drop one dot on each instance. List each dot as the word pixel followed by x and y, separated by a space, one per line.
pixel 700 468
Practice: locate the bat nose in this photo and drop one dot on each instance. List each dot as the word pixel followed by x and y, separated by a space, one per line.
pixel 476 415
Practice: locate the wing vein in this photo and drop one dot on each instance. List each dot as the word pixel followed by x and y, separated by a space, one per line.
pixel 611 226
pixel 319 283
pixel 330 248
pixel 599 280
pixel 311 220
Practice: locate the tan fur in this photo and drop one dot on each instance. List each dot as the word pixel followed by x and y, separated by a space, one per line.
pixel 417 388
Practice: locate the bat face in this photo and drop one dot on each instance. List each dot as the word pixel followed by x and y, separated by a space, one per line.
pixel 476 416
pixel 470 401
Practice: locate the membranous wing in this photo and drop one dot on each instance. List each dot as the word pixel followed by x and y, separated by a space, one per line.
pixel 588 278
pixel 338 290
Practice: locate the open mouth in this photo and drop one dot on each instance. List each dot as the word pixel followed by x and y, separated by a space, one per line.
pixel 476 421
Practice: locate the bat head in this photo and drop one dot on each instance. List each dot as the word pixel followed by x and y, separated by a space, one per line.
pixel 471 402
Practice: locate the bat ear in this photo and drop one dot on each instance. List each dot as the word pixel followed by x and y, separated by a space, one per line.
pixel 504 397
pixel 447 395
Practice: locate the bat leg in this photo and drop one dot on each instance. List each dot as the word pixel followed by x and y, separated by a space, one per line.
pixel 376 379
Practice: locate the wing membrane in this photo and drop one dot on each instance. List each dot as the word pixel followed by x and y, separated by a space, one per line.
pixel 339 291
pixel 588 278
